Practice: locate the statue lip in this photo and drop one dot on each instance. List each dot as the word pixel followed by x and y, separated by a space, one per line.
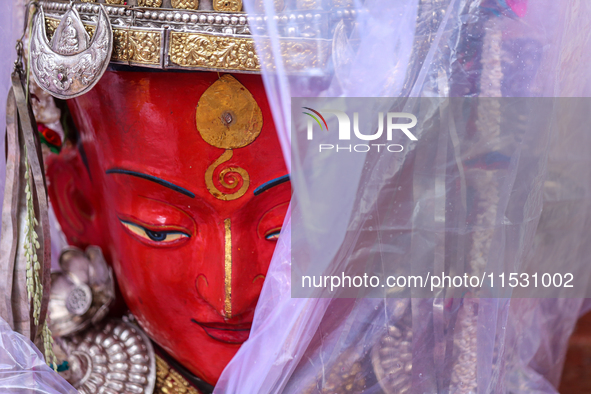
pixel 224 332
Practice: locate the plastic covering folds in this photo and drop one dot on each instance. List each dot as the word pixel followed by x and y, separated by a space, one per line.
pixel 23 369
pixel 532 213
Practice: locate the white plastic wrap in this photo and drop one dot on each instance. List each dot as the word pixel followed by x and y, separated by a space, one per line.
pixel 23 369
pixel 541 205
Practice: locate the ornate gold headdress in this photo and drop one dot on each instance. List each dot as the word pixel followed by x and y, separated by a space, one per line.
pixel 72 43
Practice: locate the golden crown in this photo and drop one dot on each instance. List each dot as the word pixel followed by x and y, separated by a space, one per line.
pixel 209 35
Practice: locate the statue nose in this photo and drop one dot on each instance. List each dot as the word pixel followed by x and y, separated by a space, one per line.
pixel 230 294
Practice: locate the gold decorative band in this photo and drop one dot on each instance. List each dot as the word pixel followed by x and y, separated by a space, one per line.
pixel 179 4
pixel 185 4
pixel 227 5
pixel 169 381
pixel 135 46
pixel 200 51
pixel 150 3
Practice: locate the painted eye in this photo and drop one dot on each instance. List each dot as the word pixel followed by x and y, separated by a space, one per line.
pixel 156 236
pixel 273 235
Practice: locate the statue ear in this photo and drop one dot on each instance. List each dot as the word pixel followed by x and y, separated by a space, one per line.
pixel 70 192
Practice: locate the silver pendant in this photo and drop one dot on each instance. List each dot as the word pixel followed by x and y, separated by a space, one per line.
pixel 72 63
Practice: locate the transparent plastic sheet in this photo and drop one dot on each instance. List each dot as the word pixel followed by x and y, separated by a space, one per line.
pixel 443 345
pixel 23 369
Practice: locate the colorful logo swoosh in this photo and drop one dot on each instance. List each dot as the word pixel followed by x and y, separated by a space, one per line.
pixel 315 118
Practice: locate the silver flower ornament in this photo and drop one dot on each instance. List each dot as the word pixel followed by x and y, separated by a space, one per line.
pixel 81 292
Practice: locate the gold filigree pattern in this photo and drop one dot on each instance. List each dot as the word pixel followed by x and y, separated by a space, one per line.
pixel 169 381
pixel 201 50
pixel 136 46
pixel 227 5
pixel 185 4
pixel 342 3
pixel 50 26
pixel 278 5
pixel 300 54
pixel 143 46
pixel 90 30
pixel 119 45
pixel 117 2
pixel 307 4
pixel 149 3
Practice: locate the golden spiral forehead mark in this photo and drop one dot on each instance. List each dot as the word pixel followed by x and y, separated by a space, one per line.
pixel 228 117
pixel 234 172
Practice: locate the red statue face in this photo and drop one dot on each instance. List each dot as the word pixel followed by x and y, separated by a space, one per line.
pixel 171 178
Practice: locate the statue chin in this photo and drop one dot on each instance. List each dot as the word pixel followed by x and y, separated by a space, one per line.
pixel 161 174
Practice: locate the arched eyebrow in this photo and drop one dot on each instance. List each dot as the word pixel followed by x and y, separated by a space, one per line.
pixel 152 178
pixel 272 183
